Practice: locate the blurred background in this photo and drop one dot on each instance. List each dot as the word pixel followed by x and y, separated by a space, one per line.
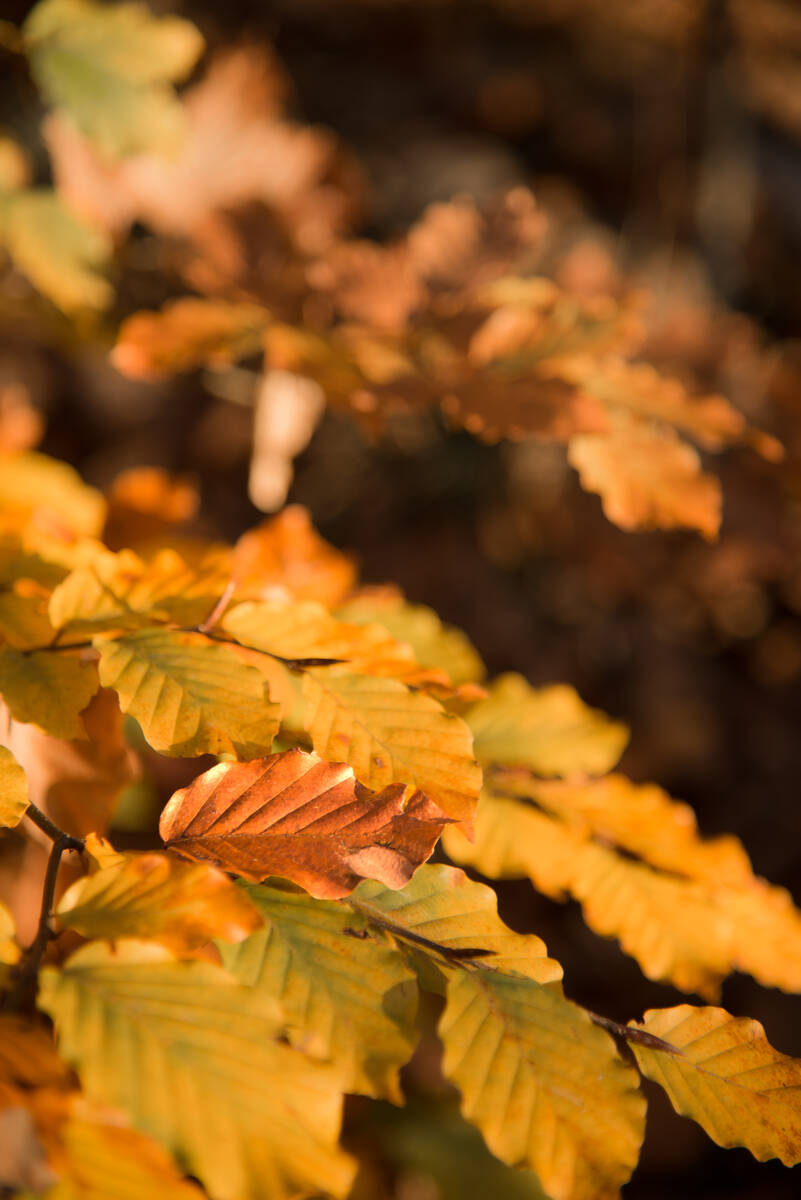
pixel 663 138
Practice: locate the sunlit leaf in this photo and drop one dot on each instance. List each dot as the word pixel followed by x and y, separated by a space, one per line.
pixel 543 1084
pixel 308 820
pixel 154 896
pixel 194 1054
pixel 49 493
pixel 389 734
pixel 285 557
pixel 110 67
pixel 190 696
pixel 13 790
pixel 728 1078
pixel 547 729
pixel 345 995
pixel 47 688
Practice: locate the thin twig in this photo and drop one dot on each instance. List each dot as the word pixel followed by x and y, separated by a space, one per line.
pixel 632 1033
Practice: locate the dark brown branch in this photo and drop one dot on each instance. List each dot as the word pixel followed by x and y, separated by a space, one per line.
pixel 631 1033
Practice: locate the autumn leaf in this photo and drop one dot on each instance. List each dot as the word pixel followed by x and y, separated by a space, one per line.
pixel 110 69
pixel 35 1088
pixel 50 495
pixel 144 503
pixel 344 994
pixel 9 949
pixel 190 696
pixel 286 557
pixel 49 689
pixel 187 333
pixel 389 734
pixel 13 790
pixel 727 1077
pixel 179 1031
pixel 550 730
pixel 542 1083
pixel 434 644
pixel 648 478
pixel 99 1160
pixel 154 896
pixel 456 920
pixel 62 255
pixel 294 815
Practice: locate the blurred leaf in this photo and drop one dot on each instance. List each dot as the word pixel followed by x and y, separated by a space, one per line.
pixel 47 688
pixel 286 557
pixel 109 67
pixel 187 333
pixel 50 495
pixel 194 1054
pixel 13 790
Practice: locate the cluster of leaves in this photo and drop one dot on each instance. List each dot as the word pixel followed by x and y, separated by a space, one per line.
pixel 219 995
pixel 459 315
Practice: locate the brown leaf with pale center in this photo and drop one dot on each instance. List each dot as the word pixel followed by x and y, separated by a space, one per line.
pixel 295 815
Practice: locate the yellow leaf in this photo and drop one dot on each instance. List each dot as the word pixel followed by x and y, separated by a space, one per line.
pixel 689 910
pixel 190 696
pixel 9 950
pixel 125 591
pixel 452 916
pixel 61 254
pixel 547 729
pixel 13 790
pixel 648 478
pixel 34 488
pixel 433 644
pixel 391 735
pixel 187 333
pixel 110 68
pixel 542 1083
pixel 47 688
pixel 344 994
pixel 192 1057
pixel 102 1161
pixel 728 1078
pixel 154 896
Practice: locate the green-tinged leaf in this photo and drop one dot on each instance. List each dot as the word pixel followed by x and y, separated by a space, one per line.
pixel 52 493
pixel 48 689
pixel 193 1058
pixel 189 695
pixel 391 735
pixel 182 905
pixel 543 1084
pixel 728 1078
pixel 109 67
pixel 62 255
pixel 101 1161
pixel 440 909
pixel 297 816
pixel 345 995
pixel 547 729
pixel 434 644
pixel 13 790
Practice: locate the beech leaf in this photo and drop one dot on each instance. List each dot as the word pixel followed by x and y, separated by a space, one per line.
pixel 728 1078
pixel 295 815
pixel 187 333
pixel 389 734
pixel 109 68
pixel 549 730
pixel 195 1054
pixel 285 557
pixel 47 688
pixel 543 1084
pixel 51 495
pixel 154 896
pixel 344 994
pixel 13 790
pixel 190 696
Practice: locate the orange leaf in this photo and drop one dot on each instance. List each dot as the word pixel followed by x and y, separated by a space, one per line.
pixel 285 557
pixel 295 815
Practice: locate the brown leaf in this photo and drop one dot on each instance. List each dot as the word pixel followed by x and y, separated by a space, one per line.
pixel 145 502
pixel 185 334
pixel 295 815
